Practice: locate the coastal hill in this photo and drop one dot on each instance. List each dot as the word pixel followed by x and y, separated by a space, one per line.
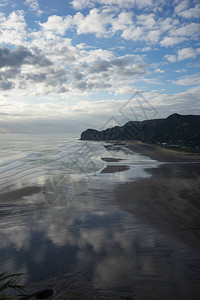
pixel 183 130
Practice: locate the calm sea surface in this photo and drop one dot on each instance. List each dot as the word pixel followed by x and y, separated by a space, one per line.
pixel 61 226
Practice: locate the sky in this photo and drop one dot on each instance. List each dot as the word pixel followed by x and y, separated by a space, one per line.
pixel 66 66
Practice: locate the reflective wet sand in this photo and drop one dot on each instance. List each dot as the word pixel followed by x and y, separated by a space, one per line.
pixel 107 237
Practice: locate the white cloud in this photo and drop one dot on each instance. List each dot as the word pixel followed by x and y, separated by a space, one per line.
pixel 89 56
pixel 184 103
pixel 193 12
pixel 122 21
pixel 147 21
pixel 57 24
pixel 145 28
pixel 124 90
pixel 183 10
pixel 95 22
pixel 187 53
pixel 171 58
pixel 180 71
pixel 159 71
pixel 34 6
pixel 188 80
pixel 191 30
pixel 168 24
pixel 150 28
pixel 105 23
pixel 13 29
pixel 133 33
pixel 81 4
pixel 171 41
pixel 183 5
pixel 145 49
pixel 183 54
pixel 153 36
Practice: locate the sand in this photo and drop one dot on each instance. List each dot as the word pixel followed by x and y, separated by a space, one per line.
pixel 162 154
pixel 170 199
pixel 19 193
pixel 111 159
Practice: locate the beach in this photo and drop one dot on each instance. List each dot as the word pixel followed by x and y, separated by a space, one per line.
pixel 132 230
pixel 170 198
pixel 161 153
pixel 166 234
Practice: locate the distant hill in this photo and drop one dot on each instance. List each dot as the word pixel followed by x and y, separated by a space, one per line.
pixel 176 129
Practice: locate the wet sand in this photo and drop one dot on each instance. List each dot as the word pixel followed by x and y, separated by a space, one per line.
pixel 170 199
pixel 19 193
pixel 167 205
pixel 111 159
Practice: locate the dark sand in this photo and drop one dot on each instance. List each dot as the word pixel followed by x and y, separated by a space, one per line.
pixel 111 159
pixel 19 193
pixel 170 199
pixel 169 202
pixel 115 168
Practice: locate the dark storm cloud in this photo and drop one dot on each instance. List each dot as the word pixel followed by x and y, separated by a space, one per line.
pixel 20 56
pixel 42 70
pixel 11 62
pixel 13 57
pixel 52 78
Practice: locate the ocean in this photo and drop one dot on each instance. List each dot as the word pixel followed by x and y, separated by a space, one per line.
pixel 61 226
pixel 30 159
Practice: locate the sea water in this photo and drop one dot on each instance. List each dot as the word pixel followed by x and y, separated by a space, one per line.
pixel 29 159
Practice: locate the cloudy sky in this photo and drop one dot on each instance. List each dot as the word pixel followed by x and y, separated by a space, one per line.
pixel 69 65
